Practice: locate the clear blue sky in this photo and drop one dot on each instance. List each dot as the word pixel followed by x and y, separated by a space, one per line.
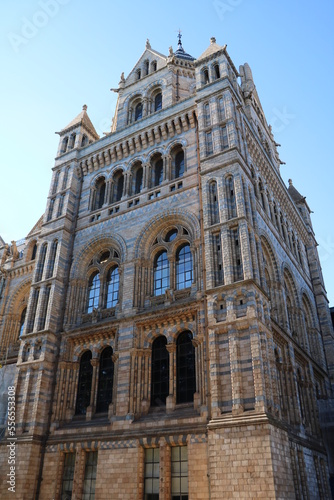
pixel 57 55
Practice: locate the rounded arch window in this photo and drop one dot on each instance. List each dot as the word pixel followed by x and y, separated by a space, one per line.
pixel 158 101
pixel 179 164
pixel 137 178
pixel 138 111
pixel 161 273
pixel 112 287
pixel 93 292
pixel 205 76
pixel 106 379
pixel 171 235
pixel 160 372
pixel 157 171
pixel 22 321
pixel 184 267
pixel 84 383
pixel 118 186
pixel 100 193
pixel 185 368
pixel 216 70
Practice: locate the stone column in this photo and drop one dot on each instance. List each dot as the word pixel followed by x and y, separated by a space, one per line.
pixel 171 398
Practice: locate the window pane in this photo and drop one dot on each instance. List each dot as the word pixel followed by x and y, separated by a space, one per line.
pixel 106 378
pixel 93 292
pixel 160 372
pixel 112 287
pixel 186 377
pixel 90 476
pixel 151 479
pixel 183 268
pixel 161 274
pixel 84 384
pixel 67 483
pixel 179 472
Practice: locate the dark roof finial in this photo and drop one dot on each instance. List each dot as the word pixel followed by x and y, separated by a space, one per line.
pixel 179 37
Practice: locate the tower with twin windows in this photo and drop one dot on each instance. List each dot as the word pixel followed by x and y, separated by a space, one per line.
pixel 165 323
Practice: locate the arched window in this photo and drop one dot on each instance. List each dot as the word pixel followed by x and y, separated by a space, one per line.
pixel 179 164
pixel 84 383
pixel 106 379
pixel 55 183
pixel 93 292
pixel 84 140
pixel 158 172
pixel 158 102
pixel 100 193
pixel 72 141
pixel 160 372
pixel 185 368
pixel 222 113
pixel 207 119
pixel 184 267
pixel 205 77
pixel 146 66
pixel 138 74
pixel 34 252
pixel 232 208
pixel 217 72
pixel 64 145
pixel 161 273
pixel 112 287
pixel 138 111
pixel 118 186
pixel 153 65
pixel 22 321
pixel 65 178
pixel 214 207
pixel 41 262
pixel 138 180
pixel 52 258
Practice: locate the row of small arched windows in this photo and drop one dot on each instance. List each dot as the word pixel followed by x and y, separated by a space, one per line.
pixel 137 181
pixel 68 142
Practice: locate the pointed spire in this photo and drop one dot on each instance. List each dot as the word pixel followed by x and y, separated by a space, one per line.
pixel 179 41
pixel 181 53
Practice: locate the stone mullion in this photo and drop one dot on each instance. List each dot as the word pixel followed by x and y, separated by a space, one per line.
pixel 254 254
pixel 93 393
pixel 146 384
pixel 132 381
pixel 165 476
pixel 247 201
pixel 79 473
pixel 145 176
pixel 239 196
pixel 39 308
pixel 112 410
pixel 227 255
pixel 108 191
pixel 222 200
pixel 245 251
pixel 259 375
pixel 167 166
pixel 139 384
pixel 198 369
pixel 74 389
pixel 236 377
pixel 171 399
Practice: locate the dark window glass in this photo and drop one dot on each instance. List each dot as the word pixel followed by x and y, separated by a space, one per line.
pixel 205 76
pixel 90 476
pixel 68 475
pixel 112 287
pixel 139 180
pixel 179 473
pixel 179 164
pixel 119 183
pixel 185 367
pixel 171 235
pixel 217 72
pixel 34 251
pixel 22 321
pixel 100 194
pixel 84 141
pixel 160 372
pixel 138 111
pixel 151 474
pixel 84 384
pixel 158 172
pixel 106 378
pixel 158 102
pixel 93 292
pixel 41 263
pixel 161 273
pixel 184 267
pixel 214 207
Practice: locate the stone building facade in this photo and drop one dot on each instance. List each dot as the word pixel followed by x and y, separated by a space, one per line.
pixel 165 323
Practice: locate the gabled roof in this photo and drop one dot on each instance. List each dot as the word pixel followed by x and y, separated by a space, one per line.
pixel 148 50
pixel 84 120
pixel 36 227
pixel 295 195
pixel 213 47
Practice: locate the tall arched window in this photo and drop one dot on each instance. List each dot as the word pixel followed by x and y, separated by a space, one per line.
pixel 214 207
pixel 112 287
pixel 64 145
pixel 22 321
pixel 93 292
pixel 146 66
pixel 160 372
pixel 84 383
pixel 138 111
pixel 84 140
pixel 161 273
pixel 185 368
pixel 232 208
pixel 216 70
pixel 179 164
pixel 158 172
pixel 106 379
pixel 72 141
pixel 205 76
pixel 138 180
pixel 55 183
pixel 41 262
pixel 34 251
pixel 118 186
pixel 184 267
pixel 100 193
pixel 158 102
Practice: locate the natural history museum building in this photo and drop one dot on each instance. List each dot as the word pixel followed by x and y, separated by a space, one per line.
pixel 164 327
